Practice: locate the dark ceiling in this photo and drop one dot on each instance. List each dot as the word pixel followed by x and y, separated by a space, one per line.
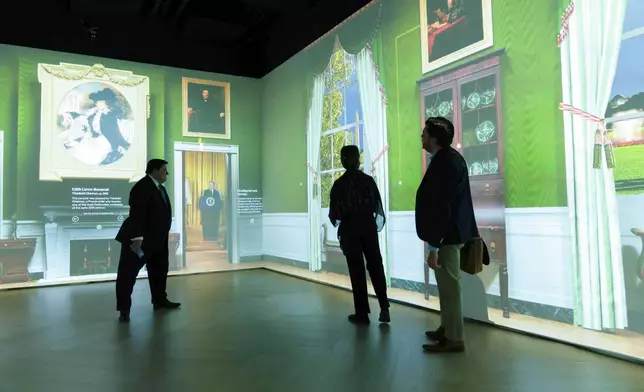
pixel 238 37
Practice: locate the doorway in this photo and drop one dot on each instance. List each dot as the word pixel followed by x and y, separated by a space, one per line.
pixel 206 184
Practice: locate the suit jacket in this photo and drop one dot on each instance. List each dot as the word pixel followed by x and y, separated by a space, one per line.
pixel 444 209
pixel 150 217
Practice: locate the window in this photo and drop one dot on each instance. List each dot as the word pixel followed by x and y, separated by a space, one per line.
pixel 341 119
pixel 625 111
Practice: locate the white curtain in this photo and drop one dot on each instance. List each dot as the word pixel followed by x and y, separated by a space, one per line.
pixel 313 131
pixel 589 59
pixel 374 109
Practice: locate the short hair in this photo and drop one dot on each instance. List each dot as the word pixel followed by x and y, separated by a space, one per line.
pixel 350 157
pixel 440 129
pixel 154 164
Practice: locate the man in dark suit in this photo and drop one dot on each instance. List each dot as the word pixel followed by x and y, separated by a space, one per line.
pixel 144 240
pixel 445 221
pixel 210 206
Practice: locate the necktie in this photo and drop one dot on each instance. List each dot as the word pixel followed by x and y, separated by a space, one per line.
pixel 164 195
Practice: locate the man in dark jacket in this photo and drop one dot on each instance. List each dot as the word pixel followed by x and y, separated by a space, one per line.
pixel 144 240
pixel 356 209
pixel 445 221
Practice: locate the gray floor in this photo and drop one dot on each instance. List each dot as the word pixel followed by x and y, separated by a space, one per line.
pixel 261 331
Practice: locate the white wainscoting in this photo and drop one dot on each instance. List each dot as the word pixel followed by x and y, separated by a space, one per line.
pixel 286 235
pixel 30 229
pixel 538 253
pixel 538 241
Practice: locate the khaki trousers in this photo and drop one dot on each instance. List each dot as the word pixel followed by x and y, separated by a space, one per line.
pixel 448 279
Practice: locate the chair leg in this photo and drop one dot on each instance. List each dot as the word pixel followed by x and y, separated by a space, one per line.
pixel 505 295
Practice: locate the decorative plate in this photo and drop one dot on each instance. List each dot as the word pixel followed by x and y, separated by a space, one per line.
pixel 445 108
pixel 491 166
pixel 476 169
pixel 473 100
pixel 488 96
pixel 485 131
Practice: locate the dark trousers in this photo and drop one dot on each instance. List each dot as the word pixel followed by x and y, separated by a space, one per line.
pixel 358 246
pixel 129 266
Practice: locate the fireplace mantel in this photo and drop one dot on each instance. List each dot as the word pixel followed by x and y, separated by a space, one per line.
pixel 66 213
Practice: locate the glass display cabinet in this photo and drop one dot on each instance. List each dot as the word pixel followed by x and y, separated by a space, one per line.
pixel 470 97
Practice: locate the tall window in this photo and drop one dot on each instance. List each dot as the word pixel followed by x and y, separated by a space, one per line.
pixel 341 119
pixel 625 112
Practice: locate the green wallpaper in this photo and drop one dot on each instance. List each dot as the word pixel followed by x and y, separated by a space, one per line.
pixel 20 119
pixel 531 90
pixel 284 111
pixel 531 86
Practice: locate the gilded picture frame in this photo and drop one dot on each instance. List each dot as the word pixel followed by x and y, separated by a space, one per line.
pixel 451 30
pixel 93 122
pixel 205 108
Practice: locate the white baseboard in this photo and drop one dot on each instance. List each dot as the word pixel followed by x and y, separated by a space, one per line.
pixel 538 250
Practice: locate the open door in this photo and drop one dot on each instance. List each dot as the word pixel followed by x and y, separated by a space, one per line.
pixel 205 195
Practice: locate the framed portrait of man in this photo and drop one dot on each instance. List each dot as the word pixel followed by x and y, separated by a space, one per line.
pixel 93 122
pixel 451 30
pixel 206 108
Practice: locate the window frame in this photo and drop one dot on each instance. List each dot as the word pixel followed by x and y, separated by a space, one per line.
pixel 633 33
pixel 347 126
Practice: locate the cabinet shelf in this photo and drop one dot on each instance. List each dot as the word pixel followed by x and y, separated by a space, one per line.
pixel 479 109
pixel 479 144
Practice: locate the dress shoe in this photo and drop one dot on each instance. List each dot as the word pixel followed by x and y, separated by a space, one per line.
pixel 359 319
pixel 166 305
pixel 124 317
pixel 437 335
pixel 385 317
pixel 444 346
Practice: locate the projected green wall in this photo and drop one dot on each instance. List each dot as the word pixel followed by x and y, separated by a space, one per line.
pixel 531 86
pixel 20 120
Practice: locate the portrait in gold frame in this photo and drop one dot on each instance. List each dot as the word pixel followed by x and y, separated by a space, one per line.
pixel 205 108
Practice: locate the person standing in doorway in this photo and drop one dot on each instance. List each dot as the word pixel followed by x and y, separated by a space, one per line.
pixel 144 240
pixel 445 221
pixel 210 206
pixel 356 209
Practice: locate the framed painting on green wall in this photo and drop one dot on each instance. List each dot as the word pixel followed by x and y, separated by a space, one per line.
pixel 206 108
pixel 93 122
pixel 451 30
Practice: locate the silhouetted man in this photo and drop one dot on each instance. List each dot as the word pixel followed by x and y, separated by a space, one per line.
pixel 356 207
pixel 144 240
pixel 445 221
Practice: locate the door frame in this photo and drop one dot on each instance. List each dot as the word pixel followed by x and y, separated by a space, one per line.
pixel 179 191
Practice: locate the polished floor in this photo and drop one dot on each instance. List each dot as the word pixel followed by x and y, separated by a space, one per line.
pixel 261 331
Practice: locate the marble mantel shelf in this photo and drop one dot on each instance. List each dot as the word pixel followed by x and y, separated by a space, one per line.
pixel 53 213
